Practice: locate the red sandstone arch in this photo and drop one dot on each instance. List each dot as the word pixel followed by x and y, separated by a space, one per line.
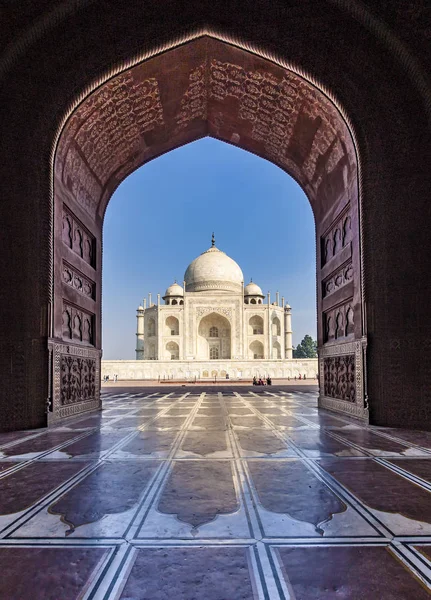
pixel 206 87
pixel 374 57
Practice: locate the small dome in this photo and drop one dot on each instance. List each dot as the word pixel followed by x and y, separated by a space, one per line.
pixel 174 290
pixel 140 308
pixel 287 306
pixel 252 289
pixel 213 270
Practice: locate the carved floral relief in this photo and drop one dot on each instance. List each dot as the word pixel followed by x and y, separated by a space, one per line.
pixel 78 379
pixel 339 377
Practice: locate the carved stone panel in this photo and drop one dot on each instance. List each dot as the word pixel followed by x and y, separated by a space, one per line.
pixel 339 377
pixel 78 379
pixel 339 235
pixel 339 322
pixel 206 310
pixel 78 324
pixel 281 113
pixel 76 237
pixel 75 380
pixel 337 279
pixel 78 281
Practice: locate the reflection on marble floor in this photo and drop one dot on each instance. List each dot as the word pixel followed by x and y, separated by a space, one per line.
pixel 219 494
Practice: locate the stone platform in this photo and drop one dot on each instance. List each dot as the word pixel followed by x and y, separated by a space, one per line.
pixel 209 370
pixel 216 494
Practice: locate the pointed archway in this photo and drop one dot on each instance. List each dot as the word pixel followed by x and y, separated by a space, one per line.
pixel 381 85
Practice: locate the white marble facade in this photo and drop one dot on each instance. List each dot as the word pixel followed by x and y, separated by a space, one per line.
pixel 213 324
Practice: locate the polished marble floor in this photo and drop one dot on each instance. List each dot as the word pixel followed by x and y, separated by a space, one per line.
pixel 218 494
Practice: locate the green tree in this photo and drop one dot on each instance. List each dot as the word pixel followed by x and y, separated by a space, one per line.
pixel 306 349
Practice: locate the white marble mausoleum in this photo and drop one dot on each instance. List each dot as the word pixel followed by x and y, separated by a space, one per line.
pixel 213 326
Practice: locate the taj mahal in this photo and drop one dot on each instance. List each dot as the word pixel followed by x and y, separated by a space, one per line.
pixel 211 327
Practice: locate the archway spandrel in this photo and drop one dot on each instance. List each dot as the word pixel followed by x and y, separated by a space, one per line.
pixel 215 89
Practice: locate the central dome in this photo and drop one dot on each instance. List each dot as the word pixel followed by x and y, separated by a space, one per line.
pixel 213 270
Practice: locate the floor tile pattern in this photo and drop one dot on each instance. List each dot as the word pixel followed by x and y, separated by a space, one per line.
pixel 216 494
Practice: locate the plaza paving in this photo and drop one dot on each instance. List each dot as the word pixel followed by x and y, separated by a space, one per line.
pixel 217 494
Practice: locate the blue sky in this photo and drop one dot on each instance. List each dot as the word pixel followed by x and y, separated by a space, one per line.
pixel 162 216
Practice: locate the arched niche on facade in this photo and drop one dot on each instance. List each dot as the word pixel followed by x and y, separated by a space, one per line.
pixel 276 350
pixel 151 327
pixel 214 337
pixel 255 325
pixel 172 351
pixel 150 351
pixel 276 326
pixel 256 350
pixel 172 326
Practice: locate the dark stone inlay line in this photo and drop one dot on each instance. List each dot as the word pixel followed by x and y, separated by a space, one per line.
pixel 20 490
pixel 418 466
pixel 197 491
pixel 49 573
pixel 380 488
pixel 89 422
pixel 189 574
pixel 127 422
pixel 425 550
pixel 366 439
pixel 41 443
pixel 113 488
pixel 290 488
pixel 318 441
pixel 95 443
pixel 326 573
pixel 323 419
pixel 4 466
pixel 421 438
pixel 12 436
pixel 205 442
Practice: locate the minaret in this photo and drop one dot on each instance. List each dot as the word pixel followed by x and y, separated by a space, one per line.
pixel 140 333
pixel 288 331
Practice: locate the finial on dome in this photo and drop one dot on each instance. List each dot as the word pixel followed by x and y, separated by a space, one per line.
pixel 212 240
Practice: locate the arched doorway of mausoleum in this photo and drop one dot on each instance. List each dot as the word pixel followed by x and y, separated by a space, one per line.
pixel 214 338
